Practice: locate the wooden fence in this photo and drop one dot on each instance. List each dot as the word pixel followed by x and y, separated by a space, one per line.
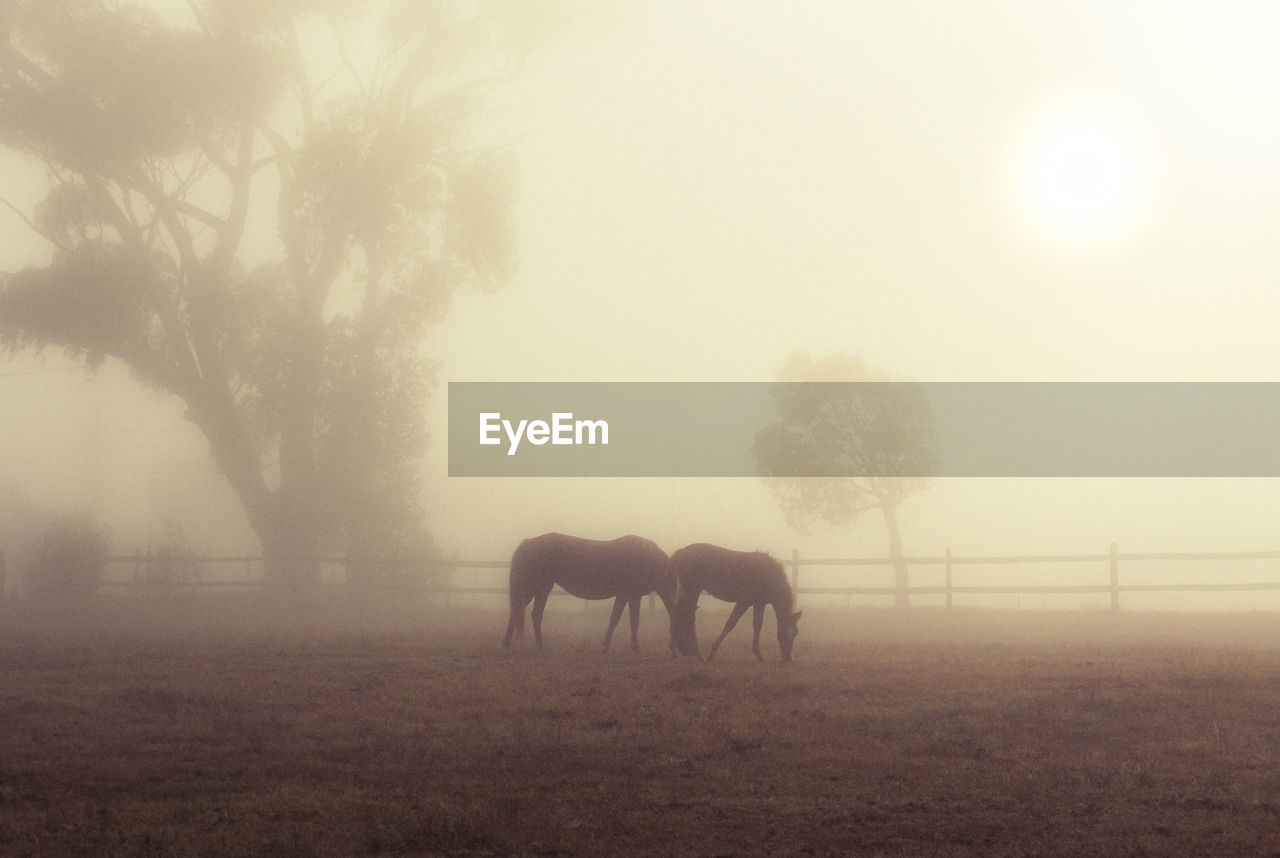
pixel 1108 563
pixel 186 572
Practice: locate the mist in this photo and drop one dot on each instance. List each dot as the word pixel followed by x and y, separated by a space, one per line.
pixel 705 188
pixel 245 249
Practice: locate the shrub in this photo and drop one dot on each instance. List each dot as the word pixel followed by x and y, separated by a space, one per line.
pixel 68 560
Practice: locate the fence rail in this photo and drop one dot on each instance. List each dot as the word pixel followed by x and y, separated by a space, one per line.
pixel 1112 586
pixel 154 571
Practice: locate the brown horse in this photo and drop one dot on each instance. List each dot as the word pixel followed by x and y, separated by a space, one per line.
pixel 625 569
pixel 748 578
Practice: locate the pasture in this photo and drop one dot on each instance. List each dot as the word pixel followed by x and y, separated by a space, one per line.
pixel 219 726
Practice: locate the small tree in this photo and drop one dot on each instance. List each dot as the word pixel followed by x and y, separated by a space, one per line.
pixel 68 560
pixel 842 449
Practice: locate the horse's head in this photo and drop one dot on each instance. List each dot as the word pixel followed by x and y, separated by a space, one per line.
pixel 788 628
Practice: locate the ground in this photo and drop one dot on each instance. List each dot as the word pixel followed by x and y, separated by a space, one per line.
pixel 223 726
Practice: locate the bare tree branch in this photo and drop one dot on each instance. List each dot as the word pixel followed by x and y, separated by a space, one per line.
pixel 346 60
pixel 156 195
pixel 52 239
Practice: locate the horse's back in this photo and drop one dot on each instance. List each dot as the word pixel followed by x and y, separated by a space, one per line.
pixel 732 576
pixel 589 568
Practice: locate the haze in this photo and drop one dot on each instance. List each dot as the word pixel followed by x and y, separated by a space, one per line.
pixel 986 192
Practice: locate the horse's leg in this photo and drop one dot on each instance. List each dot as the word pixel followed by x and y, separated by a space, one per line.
pixel 757 620
pixel 618 604
pixel 676 634
pixel 539 605
pixel 634 604
pixel 738 610
pixel 516 622
pixel 683 638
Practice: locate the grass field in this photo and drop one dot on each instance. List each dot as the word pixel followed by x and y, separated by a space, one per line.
pixel 217 727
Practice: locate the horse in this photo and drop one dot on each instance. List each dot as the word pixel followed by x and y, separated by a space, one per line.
pixel 748 578
pixel 625 569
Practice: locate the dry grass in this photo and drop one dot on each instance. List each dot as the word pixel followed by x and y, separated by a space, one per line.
pixel 410 733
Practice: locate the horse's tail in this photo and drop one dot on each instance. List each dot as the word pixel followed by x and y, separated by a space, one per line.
pixel 517 601
pixel 665 584
pixel 680 592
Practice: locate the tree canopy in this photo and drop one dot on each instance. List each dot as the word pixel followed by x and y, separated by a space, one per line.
pixel 260 207
pixel 843 448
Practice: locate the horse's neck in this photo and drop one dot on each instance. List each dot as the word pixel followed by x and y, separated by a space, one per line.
pixel 781 597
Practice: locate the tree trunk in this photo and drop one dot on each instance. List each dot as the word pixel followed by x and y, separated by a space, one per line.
pixel 359 512
pixel 290 541
pixel 283 521
pixel 900 580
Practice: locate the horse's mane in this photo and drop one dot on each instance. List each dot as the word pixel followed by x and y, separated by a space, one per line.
pixel 789 602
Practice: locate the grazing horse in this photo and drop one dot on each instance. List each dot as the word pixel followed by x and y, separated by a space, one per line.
pixel 625 569
pixel 750 579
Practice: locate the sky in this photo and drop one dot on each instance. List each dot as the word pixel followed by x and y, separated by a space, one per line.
pixel 989 191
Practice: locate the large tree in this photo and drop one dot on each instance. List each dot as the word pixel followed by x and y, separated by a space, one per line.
pixel 259 206
pixel 842 449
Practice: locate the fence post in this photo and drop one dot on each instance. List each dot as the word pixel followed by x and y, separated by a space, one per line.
pixel 3 581
pixel 795 570
pixel 948 568
pixel 1115 579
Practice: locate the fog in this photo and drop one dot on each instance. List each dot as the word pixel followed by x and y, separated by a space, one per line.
pixel 986 192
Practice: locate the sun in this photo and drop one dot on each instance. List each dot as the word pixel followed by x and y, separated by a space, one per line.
pixel 1082 175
